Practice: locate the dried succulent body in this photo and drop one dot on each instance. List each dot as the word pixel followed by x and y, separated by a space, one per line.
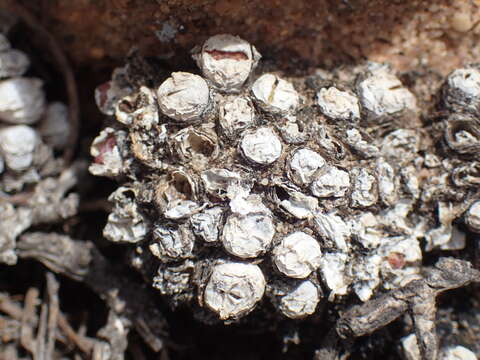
pixel 33 187
pixel 297 255
pixel 184 97
pixel 18 154
pixel 382 93
pixel 296 300
pixel 54 126
pixel 261 146
pixel 235 115
pixel 13 62
pixel 338 104
pixel 227 61
pixel 461 91
pixel 233 289
pixel 249 231
pixel 472 217
pixel 275 95
pixel 304 166
pixel 23 100
pixel 283 187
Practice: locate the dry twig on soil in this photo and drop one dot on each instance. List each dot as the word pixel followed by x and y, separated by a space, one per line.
pixel 416 298
pixel 50 326
pixel 82 262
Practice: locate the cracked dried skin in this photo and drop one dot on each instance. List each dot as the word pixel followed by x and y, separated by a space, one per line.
pixel 458 353
pixel 206 224
pixel 106 151
pixel 301 301
pixel 295 203
pixel 386 182
pixel 108 94
pixel 227 61
pixel 261 146
pixel 54 127
pixel 297 255
pixel 462 135
pixel 275 94
pixel 472 217
pixel 235 115
pixel 104 148
pixel 13 63
pixel 198 147
pixel 233 289
pixel 462 89
pixel 396 260
pixel 139 109
pixel 361 144
pixel 338 104
pixel 304 166
pixel 248 236
pixel 383 94
pixel 125 224
pixel 171 244
pixel 184 97
pixel 364 192
pixel 330 182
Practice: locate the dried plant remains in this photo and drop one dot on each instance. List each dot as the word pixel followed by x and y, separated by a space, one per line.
pixel 250 188
pixel 35 187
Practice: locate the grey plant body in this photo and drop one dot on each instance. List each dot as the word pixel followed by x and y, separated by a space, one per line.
pixel 243 187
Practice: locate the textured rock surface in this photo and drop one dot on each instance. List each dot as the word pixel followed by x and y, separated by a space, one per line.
pixel 440 34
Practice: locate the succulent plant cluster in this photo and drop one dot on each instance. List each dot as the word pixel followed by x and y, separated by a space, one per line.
pixel 31 130
pixel 239 186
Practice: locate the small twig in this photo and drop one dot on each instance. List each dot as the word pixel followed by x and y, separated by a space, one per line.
pixel 82 328
pixel 29 320
pixel 10 308
pixel 9 353
pixel 65 68
pixel 83 343
pixel 417 298
pixel 39 353
pixel 52 289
